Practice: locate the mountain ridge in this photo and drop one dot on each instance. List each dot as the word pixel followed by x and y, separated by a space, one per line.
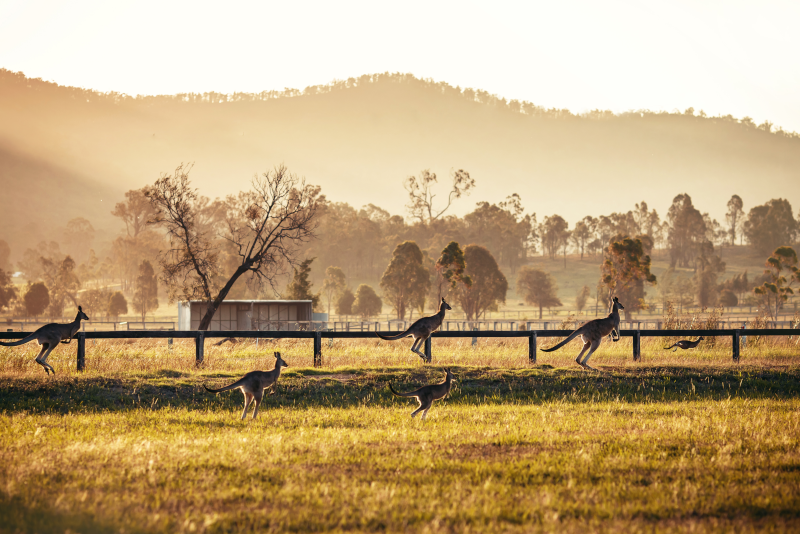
pixel 360 138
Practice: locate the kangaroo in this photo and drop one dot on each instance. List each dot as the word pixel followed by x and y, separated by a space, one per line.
pixel 254 383
pixel 427 394
pixel 49 336
pixel 422 329
pixel 593 332
pixel 684 344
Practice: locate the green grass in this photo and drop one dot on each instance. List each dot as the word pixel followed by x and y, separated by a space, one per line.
pixel 636 448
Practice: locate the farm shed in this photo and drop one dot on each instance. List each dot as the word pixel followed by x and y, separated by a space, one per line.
pixel 252 315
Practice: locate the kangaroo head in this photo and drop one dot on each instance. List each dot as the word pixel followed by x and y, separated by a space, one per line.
pixel 444 305
pixel 82 315
pixel 617 304
pixel 279 361
pixel 449 374
pixel 701 338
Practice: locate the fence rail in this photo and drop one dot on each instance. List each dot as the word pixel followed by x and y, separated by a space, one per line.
pixel 318 336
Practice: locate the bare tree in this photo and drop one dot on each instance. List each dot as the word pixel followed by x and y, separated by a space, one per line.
pixel 263 227
pixel 420 193
pixel 135 211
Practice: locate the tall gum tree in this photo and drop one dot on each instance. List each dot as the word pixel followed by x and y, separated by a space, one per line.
pixel 488 285
pixel 405 280
pixel 625 271
pixel 263 227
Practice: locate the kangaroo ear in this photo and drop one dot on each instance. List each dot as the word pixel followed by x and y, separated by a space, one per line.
pixel 80 309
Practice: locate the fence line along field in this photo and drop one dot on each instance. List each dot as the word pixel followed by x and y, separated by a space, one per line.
pixel 147 355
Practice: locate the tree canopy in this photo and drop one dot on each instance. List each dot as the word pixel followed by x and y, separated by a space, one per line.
pixel 367 303
pixel 778 288
pixel 405 281
pixel 624 272
pixel 300 286
pixel 260 231
pixel 489 286
pixel 537 288
pixel 771 225
pixel 37 299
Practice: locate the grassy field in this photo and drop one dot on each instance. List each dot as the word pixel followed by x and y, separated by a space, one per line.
pixel 135 444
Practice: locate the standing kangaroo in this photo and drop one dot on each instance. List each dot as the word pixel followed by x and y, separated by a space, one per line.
pixel 684 344
pixel 427 394
pixel 49 336
pixel 254 383
pixel 422 329
pixel 593 332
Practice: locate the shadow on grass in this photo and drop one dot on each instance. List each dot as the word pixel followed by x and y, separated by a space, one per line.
pixel 475 385
pixel 17 517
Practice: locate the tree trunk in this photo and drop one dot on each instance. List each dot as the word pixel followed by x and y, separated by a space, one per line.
pixel 540 312
pixel 213 305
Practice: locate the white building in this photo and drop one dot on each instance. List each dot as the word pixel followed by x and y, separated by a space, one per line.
pixel 252 315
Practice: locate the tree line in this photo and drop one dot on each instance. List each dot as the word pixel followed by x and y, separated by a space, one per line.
pixel 247 245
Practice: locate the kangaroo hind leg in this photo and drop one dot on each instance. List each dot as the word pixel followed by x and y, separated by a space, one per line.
pixel 420 408
pixel 586 346
pixel 38 359
pixel 248 398
pixel 41 359
pixel 425 411
pixel 595 345
pixel 258 396
pixel 46 354
pixel 415 348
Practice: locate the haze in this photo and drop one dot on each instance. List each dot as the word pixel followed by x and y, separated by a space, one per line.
pixel 722 57
pixel 76 152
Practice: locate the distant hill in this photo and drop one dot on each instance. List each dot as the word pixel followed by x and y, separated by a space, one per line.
pixel 38 198
pixel 359 138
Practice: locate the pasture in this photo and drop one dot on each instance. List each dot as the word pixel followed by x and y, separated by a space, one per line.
pixel 681 441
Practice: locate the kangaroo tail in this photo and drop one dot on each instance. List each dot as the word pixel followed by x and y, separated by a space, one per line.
pixel 572 336
pixel 671 346
pixel 29 337
pixel 235 385
pixel 396 393
pixel 394 337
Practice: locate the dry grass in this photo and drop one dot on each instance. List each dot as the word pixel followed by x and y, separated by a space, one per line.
pixel 681 441
pixel 112 357
pixel 704 449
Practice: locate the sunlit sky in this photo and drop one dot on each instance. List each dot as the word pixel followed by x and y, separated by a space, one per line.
pixel 722 57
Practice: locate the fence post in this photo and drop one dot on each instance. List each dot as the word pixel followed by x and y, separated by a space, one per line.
pixel 317 349
pixel 532 347
pixel 199 345
pixel 736 335
pixel 428 349
pixel 637 345
pixel 81 350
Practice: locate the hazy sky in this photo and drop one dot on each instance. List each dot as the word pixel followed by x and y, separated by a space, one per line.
pixel 722 57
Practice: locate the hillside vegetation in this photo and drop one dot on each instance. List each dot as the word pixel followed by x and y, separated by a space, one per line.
pixel 359 138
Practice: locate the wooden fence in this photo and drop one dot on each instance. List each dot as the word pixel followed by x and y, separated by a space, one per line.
pixel 317 336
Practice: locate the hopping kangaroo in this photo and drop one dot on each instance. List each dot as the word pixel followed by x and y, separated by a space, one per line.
pixel 254 383
pixel 684 344
pixel 422 329
pixel 593 332
pixel 49 336
pixel 427 394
